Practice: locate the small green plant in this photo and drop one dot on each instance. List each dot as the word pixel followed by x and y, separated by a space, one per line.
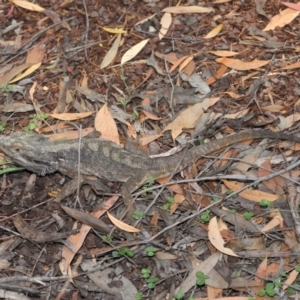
pixel 124 251
pixel 248 215
pixel 146 273
pixel 297 268
pixel 107 239
pixel 139 296
pixel 151 251
pixel 265 203
pixel 35 119
pixel 137 215
pixel 179 295
pixel 149 182
pixel 232 211
pixel 205 217
pixel 229 192
pixel 201 277
pixel 135 113
pixel 2 126
pixel 268 290
pixel 170 202
pixel 151 282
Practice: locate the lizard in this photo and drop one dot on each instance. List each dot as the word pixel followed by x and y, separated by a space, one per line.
pixel 110 161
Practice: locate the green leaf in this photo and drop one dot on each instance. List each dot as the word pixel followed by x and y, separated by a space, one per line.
pixel 248 215
pixel 261 293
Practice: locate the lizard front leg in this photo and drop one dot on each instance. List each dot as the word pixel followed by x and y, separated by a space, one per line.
pixel 129 187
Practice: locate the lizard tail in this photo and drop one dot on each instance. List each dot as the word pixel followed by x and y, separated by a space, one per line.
pixel 195 153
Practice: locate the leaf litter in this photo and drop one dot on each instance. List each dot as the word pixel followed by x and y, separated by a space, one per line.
pixel 164 75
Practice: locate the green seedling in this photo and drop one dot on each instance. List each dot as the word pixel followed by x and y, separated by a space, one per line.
pixel 146 273
pixel 248 215
pixel 139 296
pixel 201 277
pixel 35 119
pixel 151 282
pixel 151 251
pixel 268 290
pixel 205 217
pixel 265 203
pixel 135 114
pixel 137 215
pixel 149 182
pixel 107 239
pixel 170 202
pixel 2 126
pixel 125 251
pixel 179 295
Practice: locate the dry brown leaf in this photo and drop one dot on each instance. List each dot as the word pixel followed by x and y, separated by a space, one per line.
pixel 111 53
pixel 70 135
pixel 274 183
pixel 177 63
pixel 216 239
pixel 295 65
pixel 27 72
pixel 105 123
pixel 249 194
pixel 292 5
pixel 290 280
pixel 188 9
pixel 189 68
pixel 164 255
pixel 77 240
pixel 290 120
pixel 185 63
pixel 84 81
pixel 283 18
pixel 114 30
pixel 178 200
pixel 214 32
pixel 198 265
pixel 148 139
pixel 28 5
pixel 277 220
pixel 71 116
pixel 240 65
pixel 145 20
pixel 133 51
pixel 5 79
pixel 36 54
pixel 223 53
pixel 121 225
pixel 189 117
pixel 273 108
pixel 234 95
pixel 165 23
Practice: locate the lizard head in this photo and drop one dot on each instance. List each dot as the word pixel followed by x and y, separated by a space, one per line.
pixel 27 150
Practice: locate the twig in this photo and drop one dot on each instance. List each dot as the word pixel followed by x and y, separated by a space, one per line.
pixel 87 25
